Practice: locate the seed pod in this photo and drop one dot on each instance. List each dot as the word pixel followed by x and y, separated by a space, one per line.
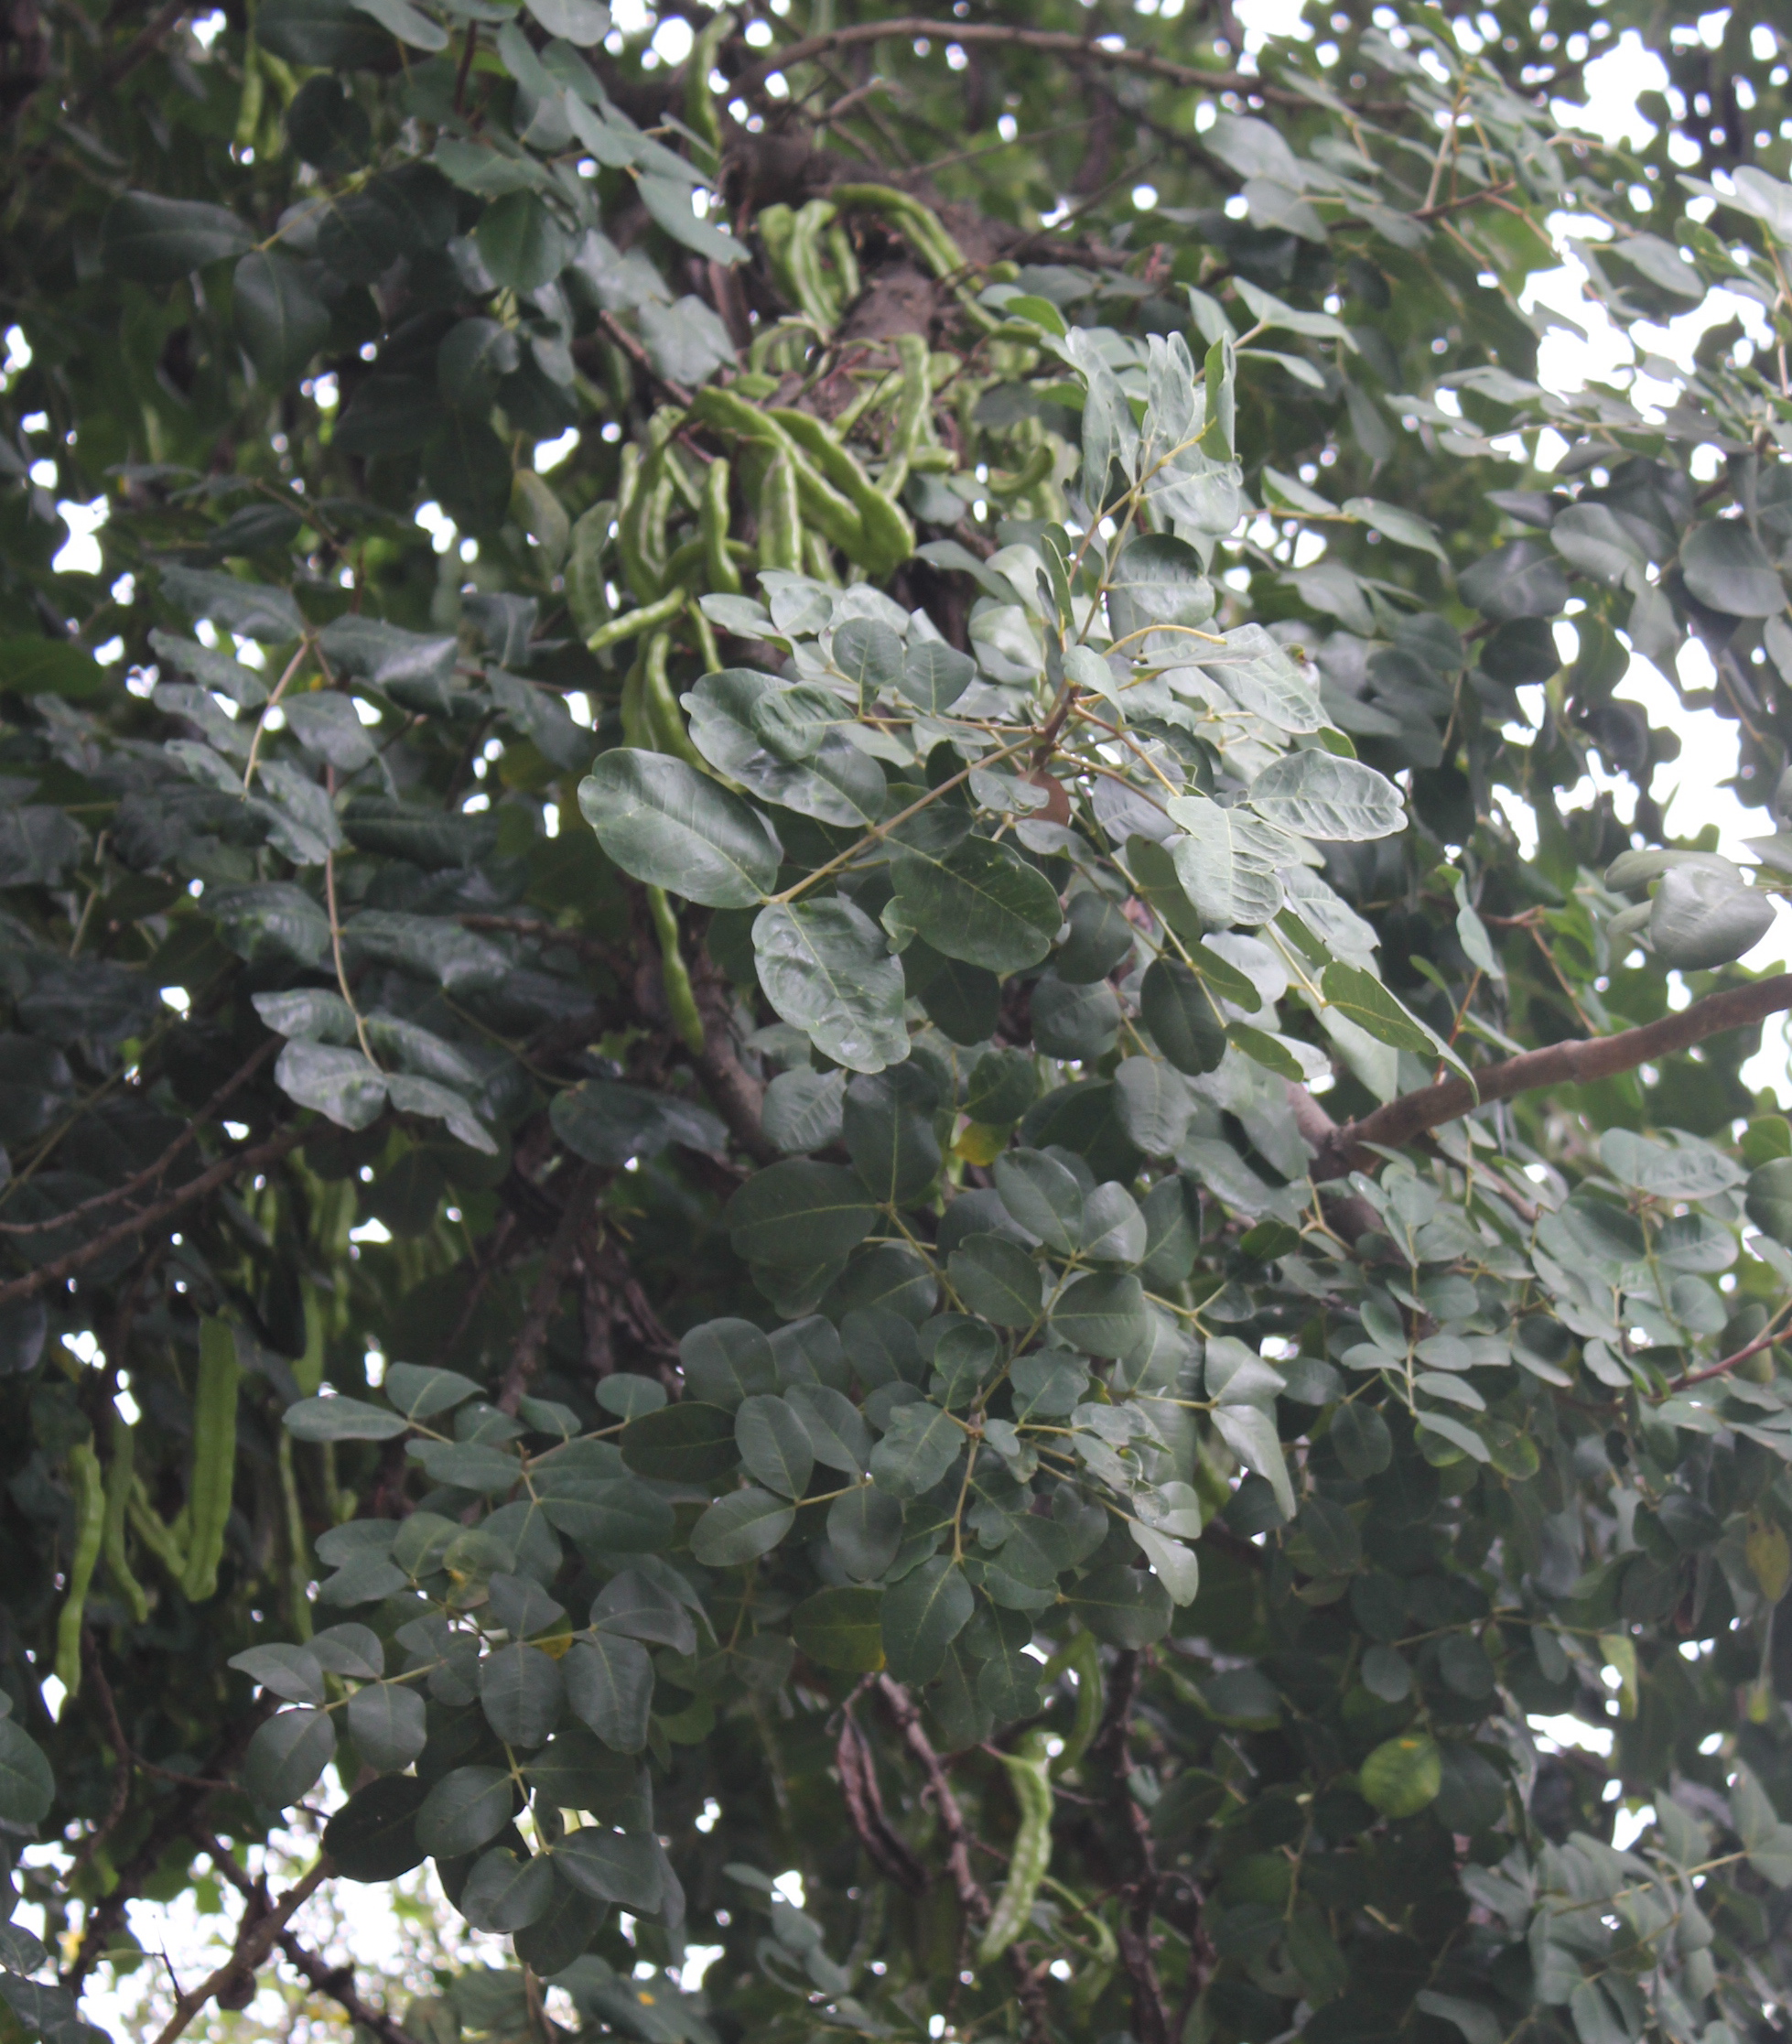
pixel 585 569
pixel 1029 1775
pixel 90 1534
pixel 664 720
pixel 779 518
pixel 680 997
pixel 118 1498
pixel 718 554
pixel 215 1459
pixel 814 290
pixel 161 1539
pixel 647 617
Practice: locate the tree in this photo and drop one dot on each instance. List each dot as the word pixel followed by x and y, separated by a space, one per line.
pixel 820 1055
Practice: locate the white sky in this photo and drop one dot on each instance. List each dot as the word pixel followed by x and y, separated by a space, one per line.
pixel 1690 789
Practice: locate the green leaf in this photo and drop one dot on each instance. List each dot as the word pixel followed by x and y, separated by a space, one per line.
pixel 1226 865
pixel 522 1694
pixel 934 675
pixel 1366 1002
pixel 1103 1314
pixel 1521 580
pixel 687 1444
pixel 1700 919
pixel 922 1616
pixel 1361 1439
pixel 641 1607
pixel 1178 1010
pixel 864 1531
pixel 1250 1432
pixel 603 1515
pixel 740 1528
pixel 1125 1606
pixel 373 1836
pixel 836 1428
pixel 665 823
pixel 920 1445
pixel 280 321
pixel 399 19
pixel 520 242
pixel 284 1757
pixel 465 1809
pixel 1043 1195
pixel 156 240
pixel 668 201
pixel 48 667
pixel 980 902
pixel 26 1786
pixel 1402 1775
pixel 612 1868
pixel 998 1280
pixel 609 1686
pixel 386 1723
pixel 825 969
pixel 1159 581
pixel 1153 1104
pixel 841 1629
pixel 774 1444
pixel 607 1122
pixel 1728 568
pixel 727 1360
pixel 341 1418
pixel 1404 527
pixel 252 610
pixel 1318 795
pixel 504 1893
pixel 582 22
pixel 290 1672
pixel 887 1121
pixel 799 1214
pixel 419 1393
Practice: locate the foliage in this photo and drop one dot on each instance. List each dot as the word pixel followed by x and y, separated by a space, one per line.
pixel 674 918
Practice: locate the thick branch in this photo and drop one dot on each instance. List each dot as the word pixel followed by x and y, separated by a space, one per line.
pixel 587 1188
pixel 1113 1743
pixel 337 1982
pixel 1577 1062
pixel 1053 42
pixel 864 1800
pixel 255 1940
pixel 220 1174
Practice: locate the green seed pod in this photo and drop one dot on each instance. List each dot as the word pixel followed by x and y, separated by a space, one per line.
pixel 118 1499
pixel 1028 1774
pixel 664 720
pixel 647 617
pixel 585 569
pixel 779 518
pixel 680 997
pixel 90 1534
pixel 717 553
pixel 215 1459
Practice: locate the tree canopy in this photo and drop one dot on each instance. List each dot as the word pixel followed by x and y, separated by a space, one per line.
pixel 821 1052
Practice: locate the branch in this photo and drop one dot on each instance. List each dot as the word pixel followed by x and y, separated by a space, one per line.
pixel 255 1940
pixel 973 1898
pixel 337 1982
pixel 1051 42
pixel 1576 1063
pixel 220 1174
pixel 151 1173
pixel 1150 2016
pixel 864 1800
pixel 588 1189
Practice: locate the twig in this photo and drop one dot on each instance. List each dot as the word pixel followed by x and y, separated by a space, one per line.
pixel 588 1189
pixel 1150 2017
pixel 858 1784
pixel 120 1776
pixel 255 1940
pixel 1054 42
pixel 220 1174
pixel 1575 1063
pixel 337 1982
pixel 144 45
pixel 151 1173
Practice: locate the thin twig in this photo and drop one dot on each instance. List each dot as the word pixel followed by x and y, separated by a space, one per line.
pixel 220 1174
pixel 255 1940
pixel 151 1173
